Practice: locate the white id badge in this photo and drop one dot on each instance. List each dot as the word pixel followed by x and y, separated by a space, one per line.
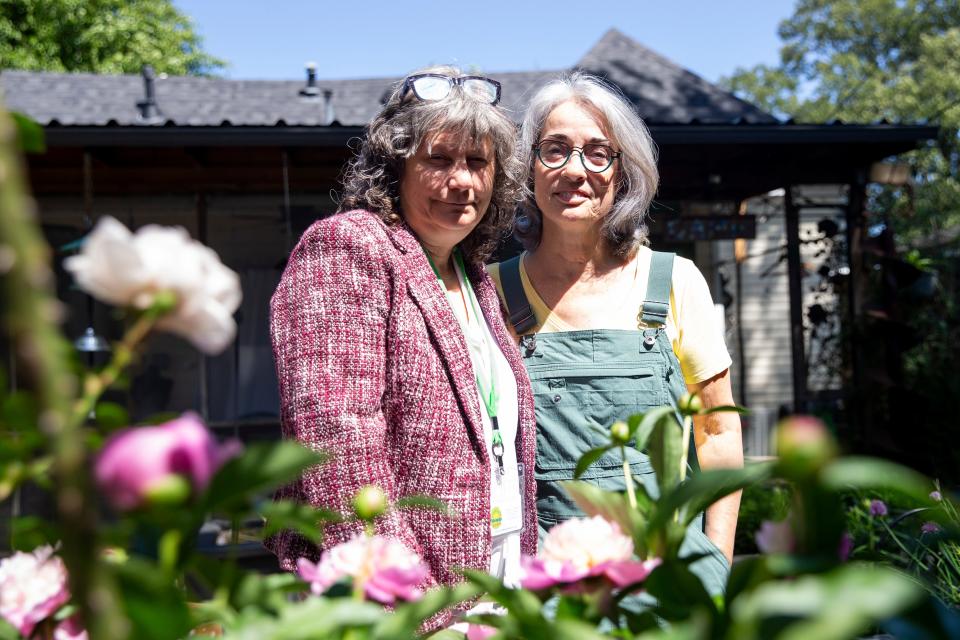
pixel 506 501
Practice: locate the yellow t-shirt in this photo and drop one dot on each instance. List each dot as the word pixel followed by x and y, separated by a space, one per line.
pixel 692 325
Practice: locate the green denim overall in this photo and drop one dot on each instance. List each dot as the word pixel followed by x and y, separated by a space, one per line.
pixel 584 381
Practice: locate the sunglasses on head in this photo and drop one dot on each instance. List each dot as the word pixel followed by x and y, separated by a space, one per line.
pixel 435 86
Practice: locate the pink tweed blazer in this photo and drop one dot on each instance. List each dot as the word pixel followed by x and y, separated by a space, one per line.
pixel 374 369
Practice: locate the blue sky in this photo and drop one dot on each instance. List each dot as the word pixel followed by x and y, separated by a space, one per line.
pixel 370 39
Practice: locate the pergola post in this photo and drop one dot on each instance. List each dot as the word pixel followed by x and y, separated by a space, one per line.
pixel 855 219
pixel 795 277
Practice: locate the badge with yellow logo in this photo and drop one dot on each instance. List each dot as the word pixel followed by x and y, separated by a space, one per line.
pixel 496 517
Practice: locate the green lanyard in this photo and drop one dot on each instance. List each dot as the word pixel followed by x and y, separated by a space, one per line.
pixel 487 385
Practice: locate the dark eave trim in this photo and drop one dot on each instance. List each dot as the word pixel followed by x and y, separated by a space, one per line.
pixel 225 136
pixel 336 136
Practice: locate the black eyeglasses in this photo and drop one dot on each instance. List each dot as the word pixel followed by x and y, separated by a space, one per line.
pixel 435 86
pixel 596 158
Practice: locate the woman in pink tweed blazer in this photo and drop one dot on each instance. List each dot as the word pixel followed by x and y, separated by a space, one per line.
pixel 372 363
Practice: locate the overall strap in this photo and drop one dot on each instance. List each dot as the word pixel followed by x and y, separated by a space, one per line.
pixel 657 302
pixel 521 314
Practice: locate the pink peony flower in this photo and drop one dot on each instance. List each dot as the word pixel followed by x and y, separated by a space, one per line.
pixel 70 629
pixel 33 586
pixel 385 568
pixel 776 537
pixel 143 464
pixel 582 548
pixel 480 632
pixel 878 508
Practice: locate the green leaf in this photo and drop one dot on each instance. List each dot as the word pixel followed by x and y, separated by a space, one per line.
pixel 445 634
pixel 111 416
pixel 678 591
pixel 665 450
pixel 313 618
pixel 615 507
pixel 154 606
pixel 855 472
pixel 589 458
pixel 264 591
pixel 574 630
pixel 703 489
pixel 642 425
pixel 524 605
pixel 834 606
pixel 408 616
pixel 29 133
pixel 746 575
pixel 8 632
pixel 19 412
pixel 261 468
pixel 304 519
pixel 421 502
pixel 30 532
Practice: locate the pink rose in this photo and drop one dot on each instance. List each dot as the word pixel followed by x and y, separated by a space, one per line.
pixel 776 537
pixel 385 569
pixel 165 462
pixel 582 548
pixel 33 586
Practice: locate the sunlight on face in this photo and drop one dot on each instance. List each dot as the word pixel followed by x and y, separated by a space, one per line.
pixel 571 194
pixel 446 188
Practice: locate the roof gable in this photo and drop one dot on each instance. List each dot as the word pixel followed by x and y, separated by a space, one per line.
pixel 663 92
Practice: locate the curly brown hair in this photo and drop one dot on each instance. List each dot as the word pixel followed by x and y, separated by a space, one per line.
pixel 372 178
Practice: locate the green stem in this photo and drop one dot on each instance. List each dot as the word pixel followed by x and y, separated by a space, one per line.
pixel 168 550
pixel 687 425
pixel 31 312
pixel 123 352
pixel 903 547
pixel 628 479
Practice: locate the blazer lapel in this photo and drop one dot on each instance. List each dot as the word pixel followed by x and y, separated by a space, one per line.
pixel 443 327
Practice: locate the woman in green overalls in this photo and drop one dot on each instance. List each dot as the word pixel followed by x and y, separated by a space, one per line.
pixel 609 328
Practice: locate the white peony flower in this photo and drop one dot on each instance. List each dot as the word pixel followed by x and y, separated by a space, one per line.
pixel 586 543
pixel 129 270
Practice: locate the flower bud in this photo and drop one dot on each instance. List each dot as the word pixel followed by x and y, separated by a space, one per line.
pixel 369 502
pixel 169 491
pixel 690 404
pixel 803 442
pixel 619 432
pixel 164 302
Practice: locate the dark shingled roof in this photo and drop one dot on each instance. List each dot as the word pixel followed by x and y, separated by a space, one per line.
pixel 663 92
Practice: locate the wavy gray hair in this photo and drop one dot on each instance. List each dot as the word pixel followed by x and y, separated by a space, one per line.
pixel 372 178
pixel 624 227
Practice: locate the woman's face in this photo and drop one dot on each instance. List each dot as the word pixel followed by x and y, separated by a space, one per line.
pixel 571 194
pixel 446 188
